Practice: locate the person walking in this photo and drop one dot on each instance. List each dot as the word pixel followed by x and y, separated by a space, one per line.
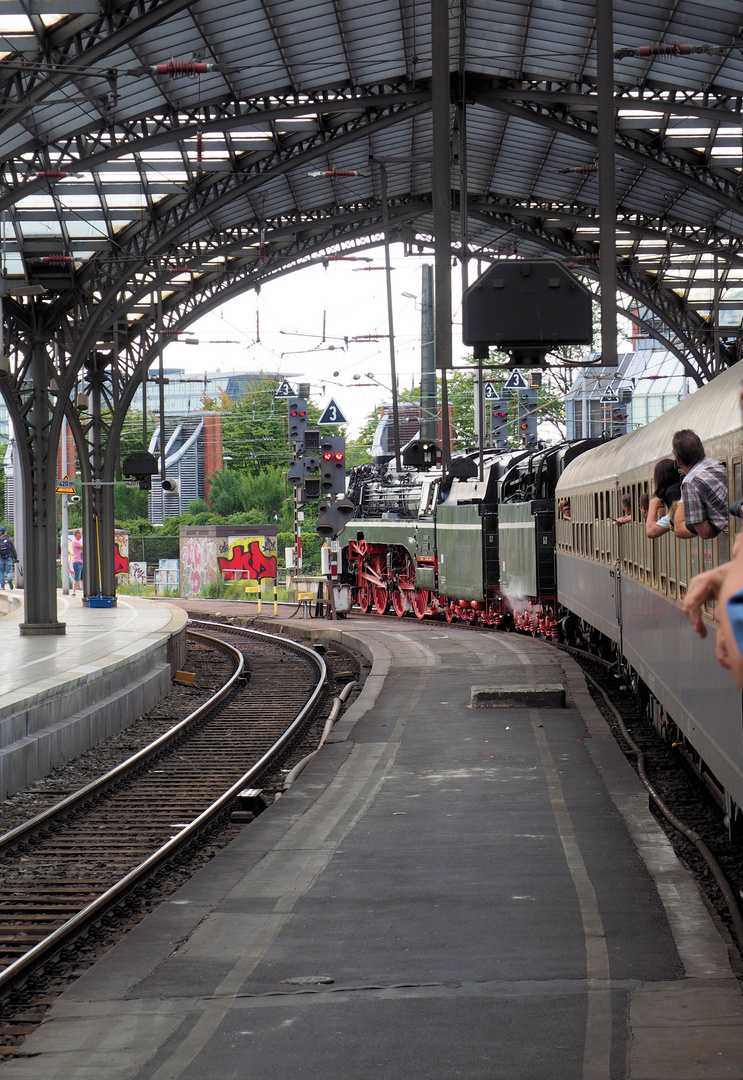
pixel 8 556
pixel 77 560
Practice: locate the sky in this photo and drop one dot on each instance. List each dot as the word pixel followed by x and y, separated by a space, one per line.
pixel 281 330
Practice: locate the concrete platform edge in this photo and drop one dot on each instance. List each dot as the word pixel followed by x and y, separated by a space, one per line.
pixel 700 945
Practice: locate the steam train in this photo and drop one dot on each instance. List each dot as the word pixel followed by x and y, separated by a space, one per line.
pixel 485 543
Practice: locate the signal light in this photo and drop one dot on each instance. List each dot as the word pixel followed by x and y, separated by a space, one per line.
pixel 333 464
pixel 297 420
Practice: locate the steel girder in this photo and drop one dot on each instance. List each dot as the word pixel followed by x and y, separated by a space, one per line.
pixel 568 107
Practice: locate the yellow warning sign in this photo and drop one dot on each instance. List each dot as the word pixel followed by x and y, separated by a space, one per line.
pixel 64 487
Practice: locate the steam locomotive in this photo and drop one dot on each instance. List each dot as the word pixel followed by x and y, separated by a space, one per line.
pixel 485 543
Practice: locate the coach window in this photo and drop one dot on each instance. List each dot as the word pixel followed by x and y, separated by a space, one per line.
pixel 670 542
pixel 737 493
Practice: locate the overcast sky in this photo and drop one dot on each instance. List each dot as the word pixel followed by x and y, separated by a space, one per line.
pixel 288 316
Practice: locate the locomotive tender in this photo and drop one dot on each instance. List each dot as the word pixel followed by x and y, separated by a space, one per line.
pixel 487 545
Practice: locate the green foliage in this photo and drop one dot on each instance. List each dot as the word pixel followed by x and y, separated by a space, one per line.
pixel 262 494
pixel 199 506
pixel 129 502
pixel 151 549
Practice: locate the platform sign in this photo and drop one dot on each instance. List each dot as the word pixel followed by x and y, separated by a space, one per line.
pixel 515 381
pixel 490 392
pixel 332 414
pixel 284 390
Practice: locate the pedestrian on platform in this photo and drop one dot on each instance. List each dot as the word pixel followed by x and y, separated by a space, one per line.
pixel 77 560
pixel 8 556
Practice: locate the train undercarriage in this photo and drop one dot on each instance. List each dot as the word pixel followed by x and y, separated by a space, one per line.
pixel 385 576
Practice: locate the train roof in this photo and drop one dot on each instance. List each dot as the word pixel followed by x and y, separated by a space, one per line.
pixel 712 411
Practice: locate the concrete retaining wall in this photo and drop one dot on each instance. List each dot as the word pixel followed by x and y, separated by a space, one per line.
pixel 42 729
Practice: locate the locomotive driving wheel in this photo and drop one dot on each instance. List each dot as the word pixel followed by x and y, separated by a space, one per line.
pixel 381 599
pixel 364 598
pixel 449 612
pixel 400 602
pixel 420 602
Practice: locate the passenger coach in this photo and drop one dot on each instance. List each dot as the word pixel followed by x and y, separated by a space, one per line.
pixel 630 589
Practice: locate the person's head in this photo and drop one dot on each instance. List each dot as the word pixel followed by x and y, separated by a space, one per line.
pixel 77 534
pixel 627 503
pixel 645 502
pixel 687 448
pixel 666 475
pixel 3 531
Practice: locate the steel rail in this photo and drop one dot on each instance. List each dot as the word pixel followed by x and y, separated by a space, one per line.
pixel 102 783
pixel 45 950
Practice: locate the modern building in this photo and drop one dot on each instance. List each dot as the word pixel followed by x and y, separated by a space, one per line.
pixel 193 451
pixel 646 383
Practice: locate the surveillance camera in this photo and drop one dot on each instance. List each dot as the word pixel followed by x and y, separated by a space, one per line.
pixel 73 499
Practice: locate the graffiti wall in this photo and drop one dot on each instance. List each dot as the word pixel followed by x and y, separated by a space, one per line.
pixel 198 563
pixel 211 554
pixel 121 554
pixel 244 557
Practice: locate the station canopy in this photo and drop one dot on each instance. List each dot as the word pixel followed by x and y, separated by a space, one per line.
pixel 193 149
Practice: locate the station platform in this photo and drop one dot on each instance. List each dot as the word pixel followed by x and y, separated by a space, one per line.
pixel 60 695
pixel 446 891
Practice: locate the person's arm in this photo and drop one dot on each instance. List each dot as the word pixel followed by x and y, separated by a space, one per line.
pixel 679 523
pixel 728 647
pixel 652 529
pixel 705 529
pixel 623 520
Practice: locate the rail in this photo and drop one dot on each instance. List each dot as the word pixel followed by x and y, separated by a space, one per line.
pixel 44 951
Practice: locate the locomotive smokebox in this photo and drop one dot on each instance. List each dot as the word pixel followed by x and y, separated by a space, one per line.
pixel 526 307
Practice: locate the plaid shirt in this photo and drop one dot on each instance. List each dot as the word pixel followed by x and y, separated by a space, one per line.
pixel 705 493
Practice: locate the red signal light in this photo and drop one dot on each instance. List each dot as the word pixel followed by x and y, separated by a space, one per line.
pixel 327 457
pixel 339 457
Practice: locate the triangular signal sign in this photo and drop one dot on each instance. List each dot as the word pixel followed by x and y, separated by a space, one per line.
pixel 332 414
pixel 490 394
pixel 284 390
pixel 515 381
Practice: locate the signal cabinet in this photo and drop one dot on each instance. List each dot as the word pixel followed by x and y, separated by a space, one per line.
pixel 526 543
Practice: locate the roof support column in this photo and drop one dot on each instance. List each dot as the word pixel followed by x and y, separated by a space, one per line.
pixel 38 478
pixel 606 126
pixel 99 572
pixel 441 177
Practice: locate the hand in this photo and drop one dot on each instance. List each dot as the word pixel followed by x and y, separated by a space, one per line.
pixel 702 588
pixel 721 645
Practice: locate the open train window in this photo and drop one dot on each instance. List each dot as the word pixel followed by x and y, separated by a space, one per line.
pixel 737 493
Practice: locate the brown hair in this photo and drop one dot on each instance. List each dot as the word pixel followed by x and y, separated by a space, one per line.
pixel 687 447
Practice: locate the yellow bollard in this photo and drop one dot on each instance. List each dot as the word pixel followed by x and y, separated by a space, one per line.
pixel 255 589
pixel 275 597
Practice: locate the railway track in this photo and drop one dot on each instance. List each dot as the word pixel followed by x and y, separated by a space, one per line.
pixel 73 865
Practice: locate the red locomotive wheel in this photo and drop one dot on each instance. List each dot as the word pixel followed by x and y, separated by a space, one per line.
pixel 449 613
pixel 400 602
pixel 364 598
pixel 381 599
pixel 420 602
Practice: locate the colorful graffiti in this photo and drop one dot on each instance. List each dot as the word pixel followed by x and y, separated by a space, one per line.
pixel 248 557
pixel 138 573
pixel 198 564
pixel 121 553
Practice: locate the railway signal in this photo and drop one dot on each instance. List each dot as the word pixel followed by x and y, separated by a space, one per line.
pixel 334 513
pixel 297 420
pixel 527 403
pixel 333 465
pixel 499 423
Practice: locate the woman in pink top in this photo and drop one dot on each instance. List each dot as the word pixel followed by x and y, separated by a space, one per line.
pixel 77 560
